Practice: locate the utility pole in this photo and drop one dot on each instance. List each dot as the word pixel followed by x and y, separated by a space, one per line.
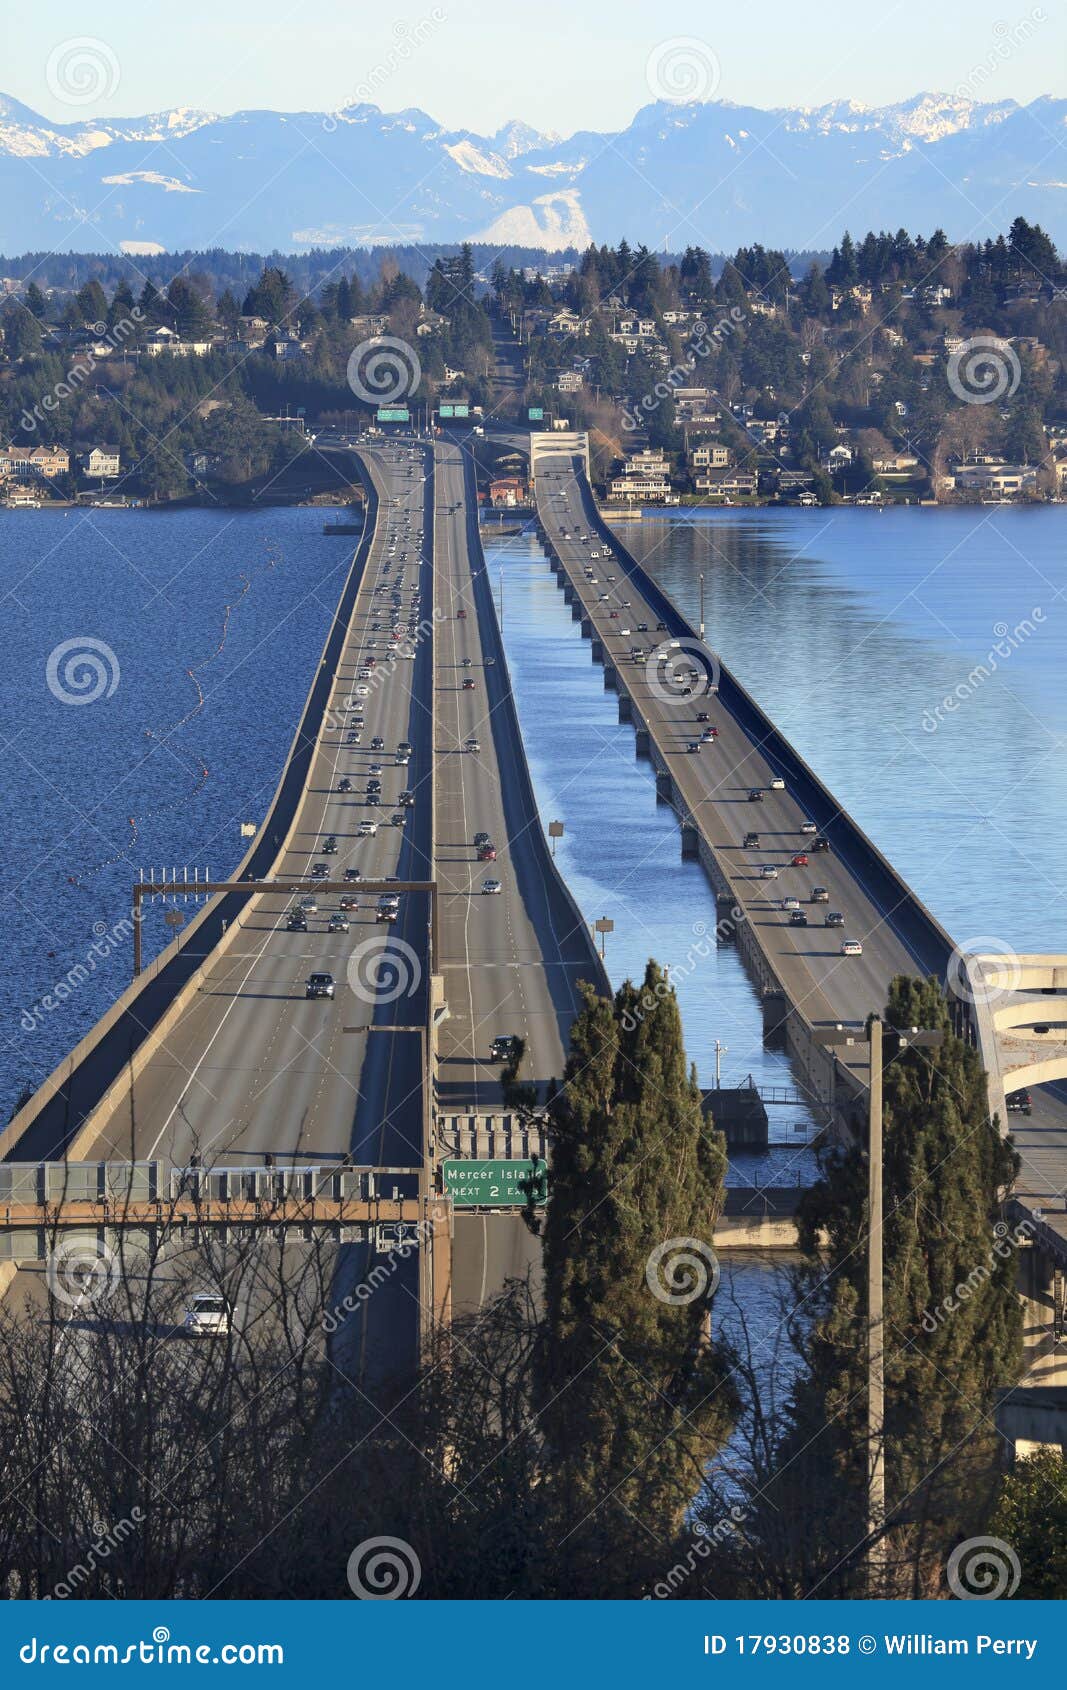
pixel 720 1052
pixel 702 604
pixel 875 1326
pixel 501 612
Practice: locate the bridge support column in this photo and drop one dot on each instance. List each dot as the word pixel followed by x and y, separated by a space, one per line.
pixel 597 650
pixel 664 787
pixel 626 707
pixel 611 679
pixel 587 626
pixel 690 842
pixel 642 742
pixel 775 1015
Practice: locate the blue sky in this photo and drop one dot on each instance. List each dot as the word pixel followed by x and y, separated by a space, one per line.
pixel 558 64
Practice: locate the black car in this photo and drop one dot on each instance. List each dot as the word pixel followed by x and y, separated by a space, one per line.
pixel 352 875
pixel 797 918
pixel 480 839
pixel 751 841
pixel 702 716
pixel 297 923
pixel 755 795
pixel 344 784
pixel 505 1047
pixel 1018 1102
pixel 329 844
pixel 319 986
pixel 819 843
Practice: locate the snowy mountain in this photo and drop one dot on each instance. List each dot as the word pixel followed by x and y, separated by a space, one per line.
pixel 712 174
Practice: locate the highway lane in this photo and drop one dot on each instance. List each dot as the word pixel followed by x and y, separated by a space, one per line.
pixel 715 781
pixel 252 1065
pixel 512 958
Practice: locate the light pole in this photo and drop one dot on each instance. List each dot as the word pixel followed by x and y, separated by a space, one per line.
pixel 841 1035
pixel 604 925
pixel 702 604
pixel 720 1052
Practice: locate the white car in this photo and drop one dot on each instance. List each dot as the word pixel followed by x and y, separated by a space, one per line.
pixel 366 830
pixel 768 872
pixel 777 784
pixel 789 904
pixel 489 887
pixel 362 692
pixel 808 827
pixel 207 1317
pixel 851 947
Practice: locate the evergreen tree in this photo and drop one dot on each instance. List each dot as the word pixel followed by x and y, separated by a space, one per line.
pixel 633 1400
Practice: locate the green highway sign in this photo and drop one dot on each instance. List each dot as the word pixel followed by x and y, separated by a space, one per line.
pixel 462 410
pixel 446 410
pixel 494 1185
pixel 536 414
pixel 395 413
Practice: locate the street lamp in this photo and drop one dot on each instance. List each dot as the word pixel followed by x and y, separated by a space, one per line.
pixel 702 604
pixel 900 1039
pixel 604 925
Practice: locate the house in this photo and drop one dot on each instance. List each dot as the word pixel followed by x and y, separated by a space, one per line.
pixel 644 489
pixel 728 484
pixel 650 460
pixel 565 321
pixel 507 490
pixel 1000 478
pixel 840 456
pixel 570 381
pixel 711 455
pixel 896 463
pixel 33 463
pixel 101 463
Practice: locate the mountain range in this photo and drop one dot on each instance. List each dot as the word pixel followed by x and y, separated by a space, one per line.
pixel 712 174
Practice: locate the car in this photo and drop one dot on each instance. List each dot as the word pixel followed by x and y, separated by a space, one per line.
pixel 1018 1102
pixel 777 784
pixel 799 859
pixel 709 736
pixel 366 829
pixel 344 784
pixel 372 798
pixel 338 922
pixel 851 947
pixel 406 799
pixel 487 852
pixel 404 748
pixel 642 628
pixel 755 795
pixel 374 786
pixel 361 692
pixel 402 759
pixel 797 918
pixel 613 616
pixel 388 907
pixel 768 872
pixel 319 986
pixel 505 1048
pixel 468 686
pixel 207 1316
pixel 468 663
pixel 377 743
pixel 320 871
pixel 297 922
pixel 353 739
pixel 660 626
pixel 834 918
pixel 472 744
pixel 789 904
pixel 352 875
pixel 375 769
pixel 489 887
pixel 329 845
pixel 820 842
pixel 819 895
pixel 461 615
pixel 694 745
pixel 349 901
pixel 750 841
pixel 481 838
pixel 808 827
pixel 310 904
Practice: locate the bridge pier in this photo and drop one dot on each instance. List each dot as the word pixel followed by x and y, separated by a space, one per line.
pixel 611 679
pixel 626 707
pixel 642 742
pixel 664 787
pixel 597 649
pixel 690 842
pixel 1043 1290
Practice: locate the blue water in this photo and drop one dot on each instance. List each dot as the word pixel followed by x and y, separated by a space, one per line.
pixel 94 792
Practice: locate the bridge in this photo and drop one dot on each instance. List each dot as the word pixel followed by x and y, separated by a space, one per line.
pixel 666 677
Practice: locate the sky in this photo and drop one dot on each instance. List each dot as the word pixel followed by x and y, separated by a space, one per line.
pixel 559 64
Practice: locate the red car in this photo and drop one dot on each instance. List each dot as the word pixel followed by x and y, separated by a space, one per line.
pixel 462 615
pixel 468 686
pixel 800 860
pixel 487 854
